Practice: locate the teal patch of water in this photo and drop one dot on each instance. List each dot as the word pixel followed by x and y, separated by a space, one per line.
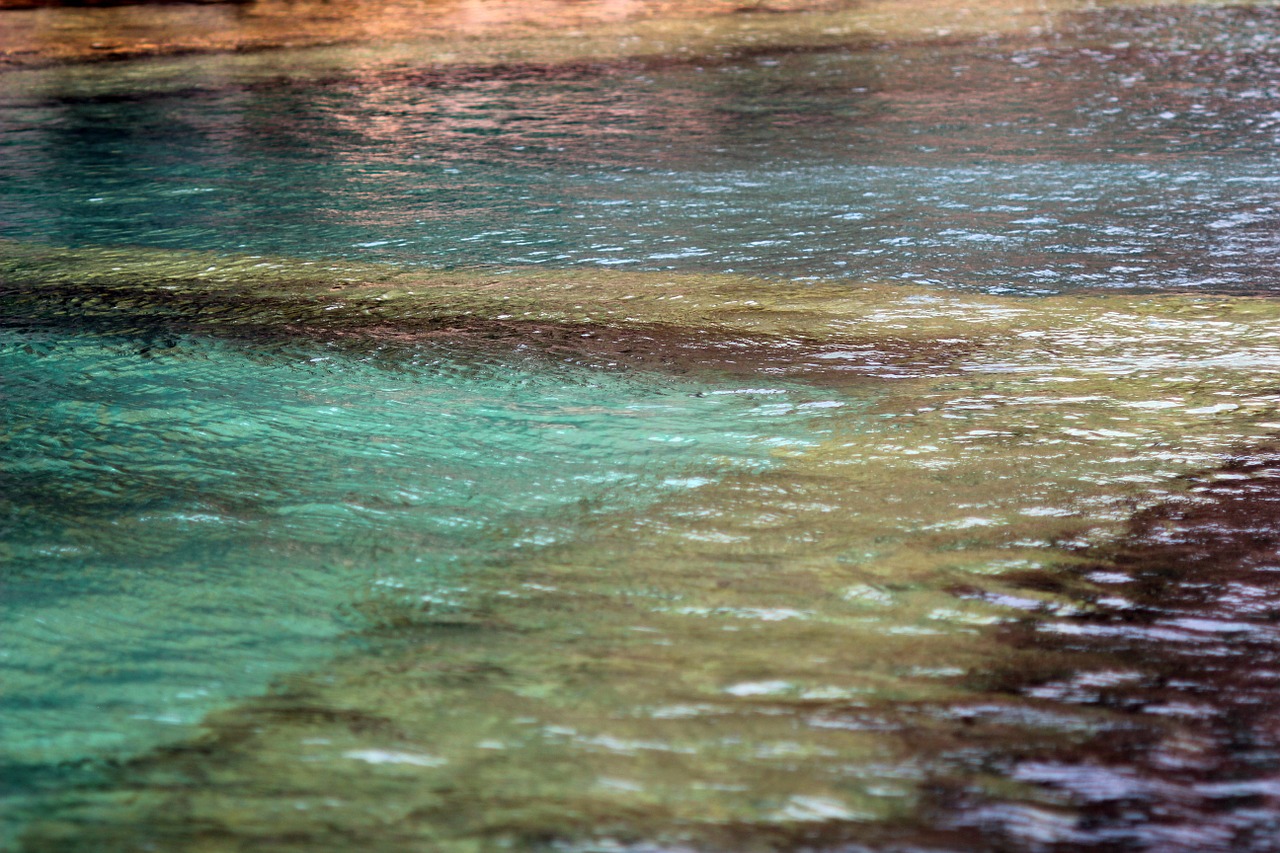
pixel 1083 160
pixel 182 520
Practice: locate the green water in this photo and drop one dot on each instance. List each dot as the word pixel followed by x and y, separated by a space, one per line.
pixel 1119 150
pixel 185 519
pixel 466 495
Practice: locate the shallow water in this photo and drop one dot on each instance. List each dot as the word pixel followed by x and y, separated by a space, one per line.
pixel 185 520
pixel 1124 150
pixel 437 479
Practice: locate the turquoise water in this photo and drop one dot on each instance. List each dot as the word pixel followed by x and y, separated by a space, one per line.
pixel 186 519
pixel 1131 152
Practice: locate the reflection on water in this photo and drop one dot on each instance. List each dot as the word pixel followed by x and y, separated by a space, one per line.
pixel 438 480
pixel 1054 164
pixel 39 37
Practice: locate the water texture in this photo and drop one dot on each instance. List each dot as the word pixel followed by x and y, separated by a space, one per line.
pixel 1136 152
pixel 812 444
pixel 802 651
pixel 184 520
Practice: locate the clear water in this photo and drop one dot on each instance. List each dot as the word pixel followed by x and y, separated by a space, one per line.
pixel 1124 151
pixel 497 597
pixel 186 519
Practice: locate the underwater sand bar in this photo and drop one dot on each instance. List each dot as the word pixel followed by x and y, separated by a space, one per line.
pixel 828 327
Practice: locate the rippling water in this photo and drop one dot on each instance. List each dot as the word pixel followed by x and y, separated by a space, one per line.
pixel 402 456
pixel 1130 150
pixel 185 520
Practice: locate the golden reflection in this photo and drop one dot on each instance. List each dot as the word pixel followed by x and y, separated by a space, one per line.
pixel 60 34
pixel 495 31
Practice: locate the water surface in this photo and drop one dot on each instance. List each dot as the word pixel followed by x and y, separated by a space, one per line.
pixel 485 456
pixel 1124 150
pixel 187 519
